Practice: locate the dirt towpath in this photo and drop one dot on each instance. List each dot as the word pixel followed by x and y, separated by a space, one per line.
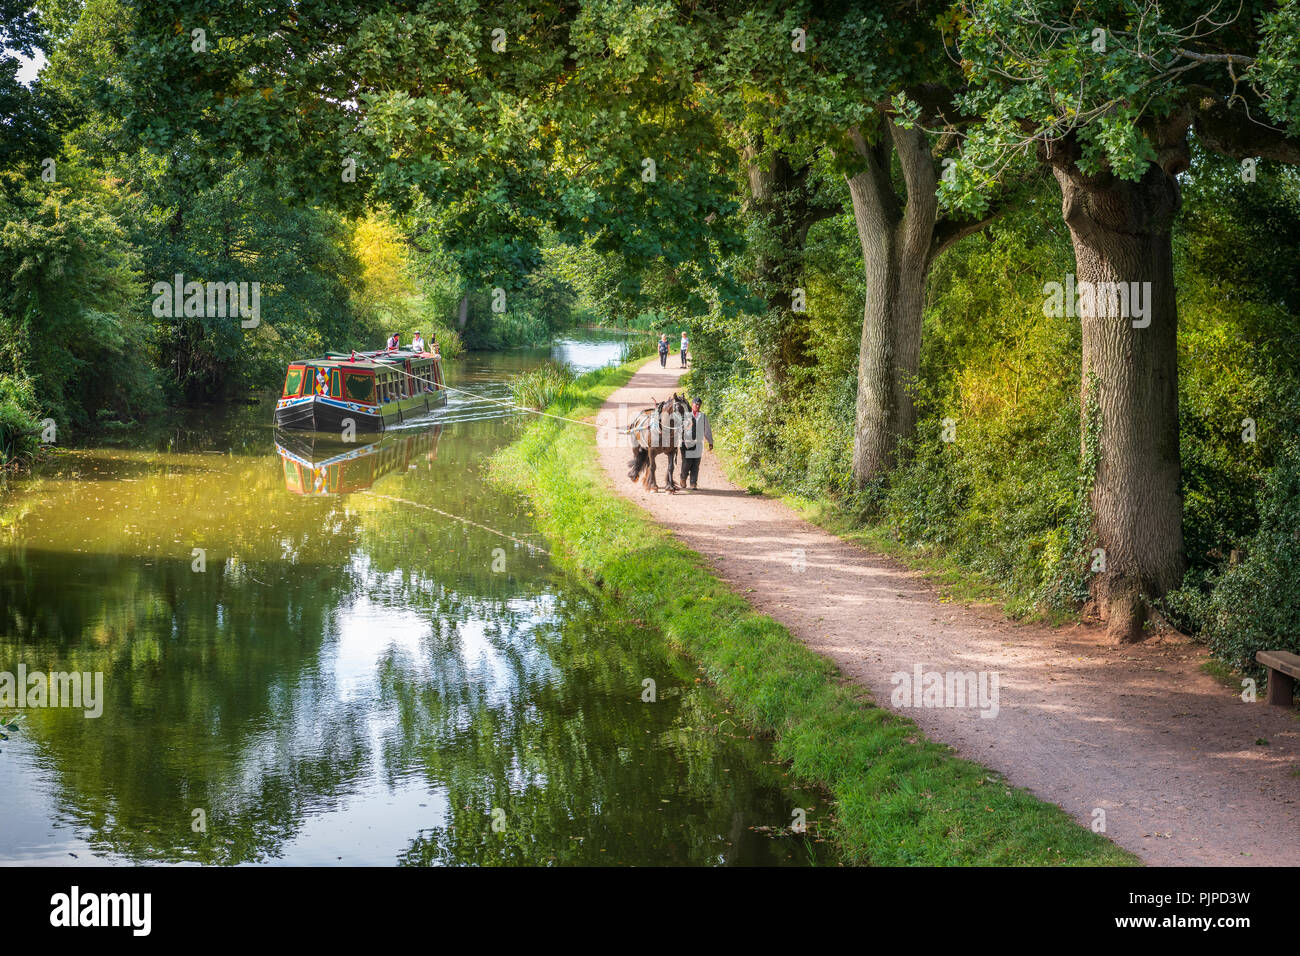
pixel 1138 731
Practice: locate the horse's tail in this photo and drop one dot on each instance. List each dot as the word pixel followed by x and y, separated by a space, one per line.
pixel 640 458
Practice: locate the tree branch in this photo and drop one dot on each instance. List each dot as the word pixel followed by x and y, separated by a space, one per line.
pixel 949 232
pixel 1234 133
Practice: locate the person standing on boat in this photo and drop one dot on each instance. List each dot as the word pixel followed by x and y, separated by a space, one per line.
pixel 393 341
pixel 685 343
pixel 663 350
pixel 695 432
pixel 417 343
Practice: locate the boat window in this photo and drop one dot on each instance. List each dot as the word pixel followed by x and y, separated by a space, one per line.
pixel 293 381
pixel 358 386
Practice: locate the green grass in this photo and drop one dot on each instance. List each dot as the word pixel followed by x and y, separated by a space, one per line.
pixel 1221 672
pixel 900 799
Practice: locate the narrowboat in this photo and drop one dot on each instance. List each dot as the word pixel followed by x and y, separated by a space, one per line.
pixel 316 465
pixel 372 390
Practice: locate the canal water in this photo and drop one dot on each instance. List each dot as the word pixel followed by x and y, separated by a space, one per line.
pixel 325 656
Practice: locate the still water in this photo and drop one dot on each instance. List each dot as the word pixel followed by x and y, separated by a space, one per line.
pixel 366 658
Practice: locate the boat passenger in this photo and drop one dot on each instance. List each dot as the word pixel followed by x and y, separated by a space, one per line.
pixel 393 342
pixel 417 343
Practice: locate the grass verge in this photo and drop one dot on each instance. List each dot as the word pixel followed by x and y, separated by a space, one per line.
pixel 900 799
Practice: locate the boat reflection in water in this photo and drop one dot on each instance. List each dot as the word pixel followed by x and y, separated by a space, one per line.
pixel 318 463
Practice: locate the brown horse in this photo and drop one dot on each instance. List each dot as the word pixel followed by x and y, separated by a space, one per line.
pixel 657 431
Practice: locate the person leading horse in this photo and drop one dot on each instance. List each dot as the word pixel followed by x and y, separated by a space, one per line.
pixel 657 431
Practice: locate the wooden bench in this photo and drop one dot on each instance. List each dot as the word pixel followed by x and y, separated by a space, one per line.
pixel 1283 671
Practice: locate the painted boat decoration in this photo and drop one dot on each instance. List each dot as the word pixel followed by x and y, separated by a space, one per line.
pixel 371 390
pixel 317 465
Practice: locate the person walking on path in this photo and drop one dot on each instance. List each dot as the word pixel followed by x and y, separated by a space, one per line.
pixel 685 343
pixel 696 430
pixel 663 350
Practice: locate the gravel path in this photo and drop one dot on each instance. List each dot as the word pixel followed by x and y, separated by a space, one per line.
pixel 1138 731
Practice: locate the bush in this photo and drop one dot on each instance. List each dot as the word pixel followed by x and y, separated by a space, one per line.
pixel 19 428
pixel 489 331
pixel 71 320
pixel 450 344
pixel 998 498
pixel 1255 604
pixel 542 386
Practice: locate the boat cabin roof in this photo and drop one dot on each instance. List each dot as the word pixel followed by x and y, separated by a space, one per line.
pixel 388 360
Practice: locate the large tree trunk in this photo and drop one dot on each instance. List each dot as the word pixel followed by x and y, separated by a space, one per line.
pixel 1122 232
pixel 898 247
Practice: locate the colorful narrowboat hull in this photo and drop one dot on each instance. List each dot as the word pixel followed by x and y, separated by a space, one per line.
pixel 364 393
pixel 319 414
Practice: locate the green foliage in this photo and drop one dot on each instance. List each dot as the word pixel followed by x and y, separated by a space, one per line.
pixel 1275 67
pixel 1007 499
pixel 497 120
pixel 516 327
pixel 814 436
pixel 523 168
pixel 70 312
pixel 27 113
pixel 900 799
pixel 638 346
pixel 86 249
pixel 544 304
pixel 1238 368
pixel 242 230
pixel 1255 604
pixel 19 428
pixel 999 499
pixel 1242 237
pixel 547 384
pixel 1225 379
pixel 401 290
pixel 1002 496
pixel 999 496
pixel 1096 83
pixel 1067 585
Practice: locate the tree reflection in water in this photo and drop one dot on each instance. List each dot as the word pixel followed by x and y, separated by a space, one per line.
pixel 348 677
